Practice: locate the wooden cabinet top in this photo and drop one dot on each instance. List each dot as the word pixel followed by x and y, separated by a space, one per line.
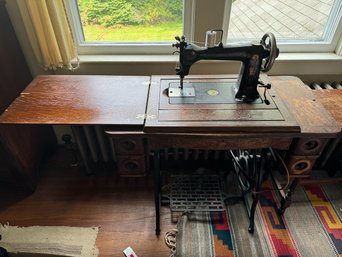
pixel 123 100
pixel 332 101
pixel 310 114
pixel 81 99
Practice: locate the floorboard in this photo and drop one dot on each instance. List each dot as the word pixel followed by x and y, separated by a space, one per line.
pixel 122 208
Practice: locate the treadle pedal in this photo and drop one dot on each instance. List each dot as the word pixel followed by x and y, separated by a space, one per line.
pixel 196 193
pixel 165 199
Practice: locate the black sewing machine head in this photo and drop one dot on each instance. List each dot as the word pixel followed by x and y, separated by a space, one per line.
pixel 254 58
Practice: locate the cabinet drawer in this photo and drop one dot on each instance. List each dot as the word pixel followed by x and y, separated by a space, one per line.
pixel 131 165
pixel 308 146
pixel 129 145
pixel 300 165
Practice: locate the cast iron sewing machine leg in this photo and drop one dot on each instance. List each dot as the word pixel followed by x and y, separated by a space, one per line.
pixel 249 171
pixel 286 200
pixel 256 196
pixel 156 158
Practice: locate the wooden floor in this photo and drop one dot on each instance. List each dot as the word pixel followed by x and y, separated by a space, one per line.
pixel 123 209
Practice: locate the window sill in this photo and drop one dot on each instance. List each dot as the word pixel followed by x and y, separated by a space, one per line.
pixel 295 64
pixel 173 58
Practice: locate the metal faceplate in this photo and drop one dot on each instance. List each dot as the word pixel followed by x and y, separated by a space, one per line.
pixel 176 91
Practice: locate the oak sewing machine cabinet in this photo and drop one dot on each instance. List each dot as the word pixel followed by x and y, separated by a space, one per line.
pixel 256 117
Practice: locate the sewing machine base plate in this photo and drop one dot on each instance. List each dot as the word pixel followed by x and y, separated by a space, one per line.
pixel 206 93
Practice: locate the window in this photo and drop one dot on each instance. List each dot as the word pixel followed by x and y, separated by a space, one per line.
pixel 134 27
pixel 131 20
pixel 299 25
pixel 127 26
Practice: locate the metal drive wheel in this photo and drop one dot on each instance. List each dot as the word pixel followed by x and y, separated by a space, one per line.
pixel 268 41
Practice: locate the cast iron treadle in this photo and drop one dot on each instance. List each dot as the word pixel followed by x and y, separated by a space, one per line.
pixel 195 193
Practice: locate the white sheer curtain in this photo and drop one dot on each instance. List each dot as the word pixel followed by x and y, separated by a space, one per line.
pixel 49 33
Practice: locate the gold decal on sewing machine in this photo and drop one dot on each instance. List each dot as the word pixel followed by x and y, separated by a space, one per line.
pixel 212 92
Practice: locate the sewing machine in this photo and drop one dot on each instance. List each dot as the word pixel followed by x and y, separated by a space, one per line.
pixel 202 103
pixel 254 58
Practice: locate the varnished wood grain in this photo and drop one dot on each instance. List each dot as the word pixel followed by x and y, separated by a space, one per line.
pixel 122 208
pixel 332 101
pixel 310 114
pixel 75 99
pixel 217 143
pixel 210 118
pixel 25 146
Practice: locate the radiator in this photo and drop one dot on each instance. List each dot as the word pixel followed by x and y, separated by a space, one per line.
pixel 322 86
pixel 193 154
pixel 93 145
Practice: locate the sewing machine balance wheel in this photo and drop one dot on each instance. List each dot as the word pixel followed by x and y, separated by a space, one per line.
pixel 271 46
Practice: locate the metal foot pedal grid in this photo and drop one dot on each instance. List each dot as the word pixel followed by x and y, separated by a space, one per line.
pixel 195 193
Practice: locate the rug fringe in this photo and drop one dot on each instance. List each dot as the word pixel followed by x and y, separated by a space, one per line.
pixel 170 241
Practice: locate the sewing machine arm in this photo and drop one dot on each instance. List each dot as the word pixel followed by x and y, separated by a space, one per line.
pixel 251 56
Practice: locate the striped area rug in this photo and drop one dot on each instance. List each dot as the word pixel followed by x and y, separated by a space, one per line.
pixel 311 227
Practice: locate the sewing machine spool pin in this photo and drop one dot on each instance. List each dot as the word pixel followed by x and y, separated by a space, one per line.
pixel 210 37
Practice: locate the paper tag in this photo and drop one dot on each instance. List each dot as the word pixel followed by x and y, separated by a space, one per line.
pixel 128 252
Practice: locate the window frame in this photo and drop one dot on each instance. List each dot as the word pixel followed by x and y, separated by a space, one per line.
pixel 129 47
pixel 191 29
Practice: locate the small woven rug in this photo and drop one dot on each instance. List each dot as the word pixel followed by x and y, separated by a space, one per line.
pixel 42 241
pixel 310 227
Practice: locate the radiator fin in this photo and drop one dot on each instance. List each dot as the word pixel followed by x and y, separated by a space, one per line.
pixel 324 85
pixel 176 154
pixel 93 143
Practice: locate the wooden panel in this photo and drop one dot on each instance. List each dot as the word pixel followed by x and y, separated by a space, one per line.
pixel 212 118
pixel 222 142
pixel 308 146
pixel 131 165
pixel 128 144
pixel 21 147
pixel 309 113
pixel 332 101
pixel 76 99
pixel 25 146
pixel 300 165
pixel 15 75
pixel 249 116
